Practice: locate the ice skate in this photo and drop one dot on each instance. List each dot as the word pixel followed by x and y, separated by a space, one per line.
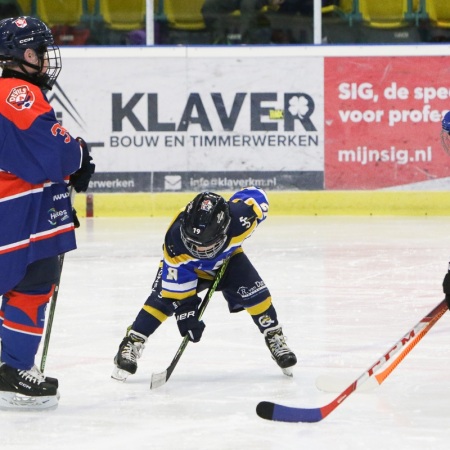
pixel 281 353
pixel 26 390
pixel 36 372
pixel 130 350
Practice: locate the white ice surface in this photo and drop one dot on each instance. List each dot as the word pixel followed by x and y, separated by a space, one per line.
pixel 345 288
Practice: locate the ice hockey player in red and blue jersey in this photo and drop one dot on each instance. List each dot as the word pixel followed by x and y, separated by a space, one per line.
pixel 38 159
pixel 199 239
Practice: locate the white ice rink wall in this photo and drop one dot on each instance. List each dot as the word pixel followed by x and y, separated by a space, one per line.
pixel 325 129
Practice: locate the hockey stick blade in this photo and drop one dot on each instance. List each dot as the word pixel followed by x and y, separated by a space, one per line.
pixel 159 379
pixel 274 411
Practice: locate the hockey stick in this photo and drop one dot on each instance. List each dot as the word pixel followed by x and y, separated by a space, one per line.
pixel 274 411
pixel 51 314
pixel 158 379
pixel 330 383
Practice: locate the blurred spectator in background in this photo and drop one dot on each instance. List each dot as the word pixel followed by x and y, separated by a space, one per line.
pixel 304 7
pixel 251 19
pixel 9 8
pixel 136 37
pixel 254 18
pixel 292 22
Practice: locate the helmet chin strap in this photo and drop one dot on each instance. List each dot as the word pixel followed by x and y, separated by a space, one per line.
pixel 38 77
pixel 37 67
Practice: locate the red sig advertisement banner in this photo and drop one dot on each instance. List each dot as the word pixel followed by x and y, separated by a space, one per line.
pixel 383 120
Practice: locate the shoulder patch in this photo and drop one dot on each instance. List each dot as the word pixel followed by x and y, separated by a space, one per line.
pixel 20 98
pixel 21 102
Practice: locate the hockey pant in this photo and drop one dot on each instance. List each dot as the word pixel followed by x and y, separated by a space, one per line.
pixel 241 286
pixel 22 314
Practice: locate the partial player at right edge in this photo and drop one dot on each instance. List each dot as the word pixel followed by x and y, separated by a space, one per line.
pixel 199 239
pixel 445 141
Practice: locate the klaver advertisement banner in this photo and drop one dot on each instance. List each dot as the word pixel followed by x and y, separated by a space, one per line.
pixel 177 123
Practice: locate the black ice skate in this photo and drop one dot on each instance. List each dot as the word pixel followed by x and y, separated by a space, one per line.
pixel 130 350
pixel 26 390
pixel 281 353
pixel 37 373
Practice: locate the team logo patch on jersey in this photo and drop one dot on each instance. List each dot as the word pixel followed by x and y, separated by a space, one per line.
pixel 55 215
pixel 21 98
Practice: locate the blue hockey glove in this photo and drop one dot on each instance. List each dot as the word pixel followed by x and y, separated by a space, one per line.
pixel 80 179
pixel 446 288
pixel 187 320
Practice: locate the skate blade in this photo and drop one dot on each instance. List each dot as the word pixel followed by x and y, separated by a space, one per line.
pixel 288 372
pixel 14 401
pixel 119 374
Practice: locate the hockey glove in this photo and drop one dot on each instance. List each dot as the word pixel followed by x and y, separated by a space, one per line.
pixel 187 320
pixel 76 222
pixel 80 179
pixel 446 288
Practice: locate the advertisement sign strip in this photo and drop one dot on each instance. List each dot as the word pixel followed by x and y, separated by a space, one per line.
pixel 199 181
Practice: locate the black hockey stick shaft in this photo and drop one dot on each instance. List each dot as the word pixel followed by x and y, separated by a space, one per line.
pixel 51 314
pixel 158 379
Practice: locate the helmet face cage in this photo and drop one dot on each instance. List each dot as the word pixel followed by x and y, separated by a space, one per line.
pixel 208 252
pixel 52 57
pixel 205 224
pixel 19 34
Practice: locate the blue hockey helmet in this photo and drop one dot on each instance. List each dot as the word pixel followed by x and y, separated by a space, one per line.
pixel 446 122
pixel 445 132
pixel 21 33
pixel 204 225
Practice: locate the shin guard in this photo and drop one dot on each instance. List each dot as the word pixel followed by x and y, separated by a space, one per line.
pixel 22 328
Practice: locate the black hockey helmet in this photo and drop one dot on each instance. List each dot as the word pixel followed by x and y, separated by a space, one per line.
pixel 205 224
pixel 18 34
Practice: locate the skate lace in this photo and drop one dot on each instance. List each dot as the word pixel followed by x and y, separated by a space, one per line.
pixel 132 351
pixel 278 345
pixel 37 373
pixel 30 376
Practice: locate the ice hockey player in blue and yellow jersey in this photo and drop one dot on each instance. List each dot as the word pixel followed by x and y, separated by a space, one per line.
pixel 38 158
pixel 199 239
